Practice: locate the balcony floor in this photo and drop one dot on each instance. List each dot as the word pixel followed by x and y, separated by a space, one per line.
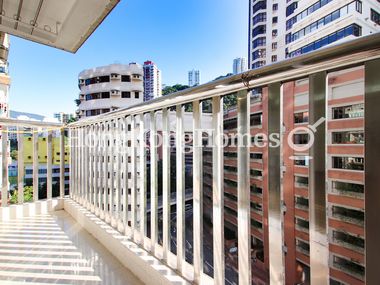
pixel 55 249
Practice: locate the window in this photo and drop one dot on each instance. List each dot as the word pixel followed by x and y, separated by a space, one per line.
pixel 301 181
pixel 275 7
pixel 137 94
pixel 258 6
pixel 301 224
pixel 349 266
pixel 256 119
pixel 348 240
pixel 259 30
pixel 353 29
pixel 301 202
pixel 274 58
pixel 348 112
pixel 274 33
pixel 256 156
pixel 375 16
pixel 349 137
pixel 302 117
pixel 347 188
pixel 261 17
pixel 348 215
pixel 260 53
pixel 125 94
pixel 256 190
pixel 301 161
pixel 274 46
pixel 258 64
pixel 348 163
pixel 275 20
pixel 301 138
pixel 259 42
pixel 125 78
pixel 302 246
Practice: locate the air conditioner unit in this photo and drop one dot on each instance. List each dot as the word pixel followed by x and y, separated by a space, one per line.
pixel 115 92
pixel 115 76
pixel 81 82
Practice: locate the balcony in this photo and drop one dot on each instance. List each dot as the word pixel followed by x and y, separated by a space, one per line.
pixel 138 197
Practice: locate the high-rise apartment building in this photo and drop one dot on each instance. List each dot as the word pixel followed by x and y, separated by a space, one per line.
pixel 194 77
pixel 108 88
pixel 152 81
pixel 279 30
pixel 240 65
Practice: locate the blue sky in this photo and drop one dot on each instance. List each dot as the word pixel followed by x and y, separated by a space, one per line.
pixel 177 35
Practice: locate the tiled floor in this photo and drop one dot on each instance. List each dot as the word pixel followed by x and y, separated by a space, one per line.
pixel 54 249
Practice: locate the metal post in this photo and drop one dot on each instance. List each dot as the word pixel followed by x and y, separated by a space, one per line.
pixel 49 169
pixel 153 181
pixel 244 217
pixel 35 165
pixel 197 192
pixel 62 164
pixel 20 164
pixel 275 229
pixel 166 183
pixel 372 177
pixel 218 190
pixel 319 247
pixel 142 154
pixel 133 175
pixel 180 171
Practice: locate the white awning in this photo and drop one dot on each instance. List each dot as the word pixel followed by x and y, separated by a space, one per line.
pixel 64 24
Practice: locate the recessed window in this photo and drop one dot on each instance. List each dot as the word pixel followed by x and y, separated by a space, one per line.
pixel 125 94
pixel 137 94
pixel 275 7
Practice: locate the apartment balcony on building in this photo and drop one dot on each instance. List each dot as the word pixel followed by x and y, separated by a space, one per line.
pixel 210 185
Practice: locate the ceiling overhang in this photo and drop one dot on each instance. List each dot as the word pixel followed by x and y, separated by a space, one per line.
pixel 64 24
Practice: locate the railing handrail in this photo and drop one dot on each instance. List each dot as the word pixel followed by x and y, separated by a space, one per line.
pixel 342 55
pixel 26 123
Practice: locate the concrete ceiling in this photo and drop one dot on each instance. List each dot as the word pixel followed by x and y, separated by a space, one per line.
pixel 64 24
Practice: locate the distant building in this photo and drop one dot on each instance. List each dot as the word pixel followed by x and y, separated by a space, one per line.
pixel 240 65
pixel 194 77
pixel 152 81
pixel 108 88
pixel 63 117
pixel 291 28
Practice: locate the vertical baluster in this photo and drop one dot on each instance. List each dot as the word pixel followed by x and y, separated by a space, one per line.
pixel 180 171
pixel 62 163
pixel 275 222
pixel 142 167
pixel 49 170
pixel 111 154
pixel 218 190
pixel 153 181
pixel 126 171
pixel 81 166
pixel 4 160
pixel 90 163
pixel 97 153
pixel 35 164
pixel 101 169
pixel 77 164
pixel 20 164
pixel 118 150
pixel 133 174
pixel 197 192
pixel 86 165
pixel 244 219
pixel 319 246
pixel 166 182
pixel 106 170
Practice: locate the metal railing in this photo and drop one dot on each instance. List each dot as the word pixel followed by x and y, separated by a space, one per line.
pixel 15 132
pixel 110 155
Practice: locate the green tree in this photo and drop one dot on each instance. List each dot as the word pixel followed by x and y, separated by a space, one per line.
pixel 28 195
pixel 14 154
pixel 172 89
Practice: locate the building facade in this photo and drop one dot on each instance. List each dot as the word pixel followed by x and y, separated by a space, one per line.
pixel 344 240
pixel 240 65
pixel 194 77
pixel 152 81
pixel 108 88
pixel 279 30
